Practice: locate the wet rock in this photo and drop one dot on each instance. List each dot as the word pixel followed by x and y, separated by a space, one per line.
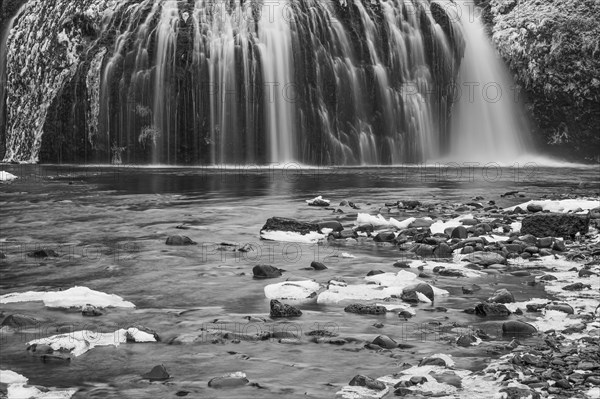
pixel 548 277
pixel 492 310
pixel 564 384
pixel 535 307
pixel 467 250
pixel 517 328
pixel 332 225
pixel 561 307
pixel 545 242
pixel 158 373
pixel 459 232
pixel 284 224
pixel 421 223
pixel 585 273
pixel 577 287
pixel 449 378
pixel 365 228
pixel 450 272
pixel 471 289
pixel 234 380
pixel 385 342
pixel 514 248
pixel 402 265
pixel 279 309
pixel 423 288
pixel 410 204
pixel 555 225
pixel 318 266
pixel 365 309
pixel 180 241
pixel 519 393
pixel 386 236
pixel 443 250
pixel 90 311
pixel 559 246
pixel 375 272
pixel 466 340
pixel 265 272
pixel 545 252
pixel 43 253
pixel 502 296
pixel 532 250
pixel 405 314
pixel 485 258
pixel 433 361
pixel 367 382
pixel 417 380
pixel 423 250
pixel 535 208
pixel 469 222
pixel 19 321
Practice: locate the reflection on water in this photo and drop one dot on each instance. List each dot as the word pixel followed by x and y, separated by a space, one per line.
pixel 109 226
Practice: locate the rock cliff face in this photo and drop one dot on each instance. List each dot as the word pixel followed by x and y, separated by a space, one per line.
pixel 552 48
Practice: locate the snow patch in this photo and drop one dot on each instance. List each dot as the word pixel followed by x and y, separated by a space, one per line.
pixel 562 206
pixel 290 236
pixel 17 388
pixel 292 290
pixel 72 298
pixel 5 176
pixel 79 342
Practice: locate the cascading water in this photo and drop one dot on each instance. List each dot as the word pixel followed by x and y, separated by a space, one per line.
pixel 488 124
pixel 236 81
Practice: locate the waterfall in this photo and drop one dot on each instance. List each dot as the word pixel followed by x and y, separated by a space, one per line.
pixel 489 124
pixel 236 81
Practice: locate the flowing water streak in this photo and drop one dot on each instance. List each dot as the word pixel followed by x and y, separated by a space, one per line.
pixel 164 93
pixel 275 46
pixel 489 124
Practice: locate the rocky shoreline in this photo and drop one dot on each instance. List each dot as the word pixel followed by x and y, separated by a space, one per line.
pixel 544 347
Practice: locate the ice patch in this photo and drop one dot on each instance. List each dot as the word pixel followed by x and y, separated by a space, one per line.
pixel 379 221
pixel 71 298
pixel 356 392
pixel 290 236
pixel 292 290
pixel 562 206
pixel 386 285
pixel 440 227
pixel 79 342
pixel 317 199
pixel 5 176
pixel 17 389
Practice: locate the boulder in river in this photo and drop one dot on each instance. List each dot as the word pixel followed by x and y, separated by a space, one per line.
pixel 279 309
pixel 43 253
pixel 318 266
pixel 422 288
pixel 459 232
pixel 233 380
pixel 385 236
pixel 502 296
pixel 555 225
pixel 332 225
pixel 367 382
pixel 365 309
pixel 485 258
pixel 492 310
pixel 17 321
pixel 180 241
pixel 385 342
pixel 265 272
pixel 283 224
pixel 518 328
pixel 158 373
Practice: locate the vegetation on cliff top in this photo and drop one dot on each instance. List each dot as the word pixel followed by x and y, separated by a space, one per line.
pixel 553 49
